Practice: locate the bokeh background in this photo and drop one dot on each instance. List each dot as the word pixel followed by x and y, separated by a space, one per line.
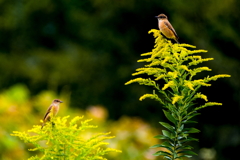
pixel 83 51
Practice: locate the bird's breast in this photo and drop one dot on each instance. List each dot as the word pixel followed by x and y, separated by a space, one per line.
pixel 165 30
pixel 55 109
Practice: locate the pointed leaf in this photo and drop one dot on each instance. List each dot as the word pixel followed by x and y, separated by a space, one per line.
pixel 188 140
pixel 183 135
pixel 191 130
pixel 192 115
pixel 184 113
pixel 163 146
pixel 186 122
pixel 187 147
pixel 167 143
pixel 180 129
pixel 180 137
pixel 156 146
pixel 187 152
pixel 162 153
pixel 168 126
pixel 175 155
pixel 166 133
pixel 161 137
pixel 167 157
pixel 169 116
pixel 188 156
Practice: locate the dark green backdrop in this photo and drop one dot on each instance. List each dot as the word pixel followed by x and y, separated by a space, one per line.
pixel 90 48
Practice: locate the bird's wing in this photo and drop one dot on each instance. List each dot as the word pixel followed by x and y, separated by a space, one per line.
pixel 171 28
pixel 48 111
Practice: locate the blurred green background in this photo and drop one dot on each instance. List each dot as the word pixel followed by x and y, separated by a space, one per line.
pixel 83 51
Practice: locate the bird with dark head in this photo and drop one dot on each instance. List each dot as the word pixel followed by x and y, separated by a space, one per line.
pixel 52 110
pixel 166 28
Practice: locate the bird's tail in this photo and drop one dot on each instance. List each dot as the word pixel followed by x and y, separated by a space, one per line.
pixel 177 40
pixel 42 125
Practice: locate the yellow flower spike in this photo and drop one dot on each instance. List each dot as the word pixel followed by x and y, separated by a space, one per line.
pixel 200 82
pixel 169 84
pixel 197 51
pixel 214 78
pixel 184 67
pixel 146 54
pixel 154 63
pixel 159 77
pixel 208 104
pixel 197 59
pixel 146 96
pixel 165 60
pixel 172 74
pixel 143 60
pixel 157 54
pixel 176 55
pixel 176 98
pixel 198 70
pixel 189 84
pixel 183 53
pixel 187 45
pixel 134 80
pixel 202 96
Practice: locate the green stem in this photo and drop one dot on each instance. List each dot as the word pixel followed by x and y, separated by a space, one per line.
pixel 177 131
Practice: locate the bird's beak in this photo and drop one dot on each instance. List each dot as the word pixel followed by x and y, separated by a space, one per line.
pixel 156 16
pixel 61 101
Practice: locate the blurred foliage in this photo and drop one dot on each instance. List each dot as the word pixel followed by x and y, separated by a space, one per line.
pixel 66 140
pixel 20 112
pixel 88 49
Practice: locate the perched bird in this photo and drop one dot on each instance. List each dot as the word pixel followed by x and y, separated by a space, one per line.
pixel 166 28
pixel 52 110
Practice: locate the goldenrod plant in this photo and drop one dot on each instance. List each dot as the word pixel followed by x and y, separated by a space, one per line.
pixel 61 140
pixel 171 70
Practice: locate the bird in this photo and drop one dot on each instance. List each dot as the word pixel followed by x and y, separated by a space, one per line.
pixel 166 28
pixel 52 110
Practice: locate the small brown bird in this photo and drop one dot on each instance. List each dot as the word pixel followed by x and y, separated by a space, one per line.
pixel 166 28
pixel 52 110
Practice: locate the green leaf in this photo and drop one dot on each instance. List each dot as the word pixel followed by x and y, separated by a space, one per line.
pixel 175 155
pixel 166 133
pixel 167 143
pixel 188 156
pixel 156 146
pixel 169 116
pixel 172 108
pixel 187 122
pixel 191 130
pixel 183 113
pixel 192 115
pixel 167 157
pixel 162 153
pixel 187 152
pixel 188 140
pixel 187 147
pixel 180 137
pixel 163 146
pixel 161 137
pixel 181 128
pixel 168 126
